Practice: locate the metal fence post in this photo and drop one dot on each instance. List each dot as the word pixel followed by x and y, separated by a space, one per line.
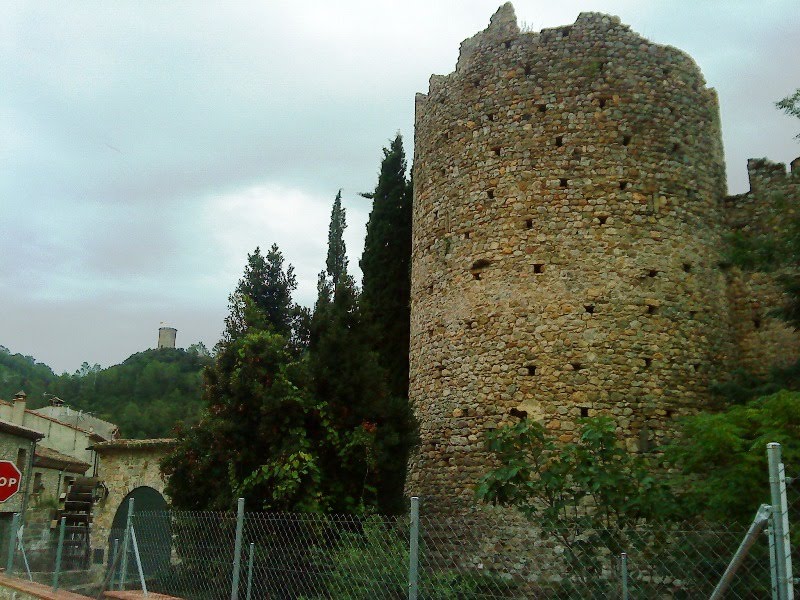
pixel 624 568
pixel 12 543
pixel 780 522
pixel 61 527
pixel 126 540
pixel 250 569
pixel 773 563
pixel 413 550
pixel 237 549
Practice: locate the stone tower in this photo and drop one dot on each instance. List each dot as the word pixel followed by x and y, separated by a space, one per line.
pixel 567 223
pixel 166 337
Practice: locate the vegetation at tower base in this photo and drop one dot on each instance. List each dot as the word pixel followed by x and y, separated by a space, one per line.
pixel 385 305
pixel 589 494
pixel 722 456
pixel 591 484
pixel 261 434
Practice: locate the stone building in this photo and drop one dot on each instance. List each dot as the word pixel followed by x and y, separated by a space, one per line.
pixel 567 261
pixel 69 446
pixel 70 437
pixel 52 474
pixel 59 455
pixel 17 444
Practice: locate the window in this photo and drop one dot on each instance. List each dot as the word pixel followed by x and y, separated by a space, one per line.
pixel 22 454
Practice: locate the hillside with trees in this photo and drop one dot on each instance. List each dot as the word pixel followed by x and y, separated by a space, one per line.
pixel 20 372
pixel 146 395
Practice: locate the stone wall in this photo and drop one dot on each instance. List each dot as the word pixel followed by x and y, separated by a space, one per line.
pixel 10 446
pixel 47 485
pixel 762 341
pixel 568 218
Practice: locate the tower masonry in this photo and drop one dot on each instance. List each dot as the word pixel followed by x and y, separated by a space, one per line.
pixel 569 213
pixel 167 337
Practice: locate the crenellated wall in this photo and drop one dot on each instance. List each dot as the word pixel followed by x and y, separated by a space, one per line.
pixel 762 341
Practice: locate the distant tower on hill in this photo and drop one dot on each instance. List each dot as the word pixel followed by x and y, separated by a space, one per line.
pixel 166 337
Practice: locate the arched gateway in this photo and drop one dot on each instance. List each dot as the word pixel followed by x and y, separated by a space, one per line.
pixel 130 469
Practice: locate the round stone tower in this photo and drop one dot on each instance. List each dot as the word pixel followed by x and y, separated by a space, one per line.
pixel 567 225
pixel 166 337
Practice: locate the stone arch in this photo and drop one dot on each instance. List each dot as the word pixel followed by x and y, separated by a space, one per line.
pixel 123 467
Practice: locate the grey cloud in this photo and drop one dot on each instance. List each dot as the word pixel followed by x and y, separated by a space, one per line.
pixel 121 123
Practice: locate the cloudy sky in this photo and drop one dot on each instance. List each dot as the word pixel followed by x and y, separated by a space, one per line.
pixel 146 147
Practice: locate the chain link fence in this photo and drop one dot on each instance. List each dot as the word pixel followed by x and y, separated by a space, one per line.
pixel 485 553
pixel 491 555
pixel 41 552
pixel 316 557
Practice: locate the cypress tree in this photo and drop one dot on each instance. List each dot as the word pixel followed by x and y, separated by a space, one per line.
pixel 336 261
pixel 386 265
pixel 346 375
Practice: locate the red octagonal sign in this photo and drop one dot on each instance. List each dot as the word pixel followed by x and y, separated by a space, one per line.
pixel 10 478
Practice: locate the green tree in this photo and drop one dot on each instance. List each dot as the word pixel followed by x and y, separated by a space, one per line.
pixel 346 374
pixel 200 349
pixel 261 432
pixel 265 291
pixel 163 385
pixel 386 265
pixel 791 105
pixel 722 460
pixel 386 302
pixel 20 372
pixel 259 435
pixel 336 259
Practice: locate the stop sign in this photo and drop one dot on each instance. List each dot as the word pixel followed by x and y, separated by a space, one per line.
pixel 10 478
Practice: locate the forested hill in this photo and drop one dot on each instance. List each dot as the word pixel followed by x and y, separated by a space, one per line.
pixel 146 395
pixel 20 372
